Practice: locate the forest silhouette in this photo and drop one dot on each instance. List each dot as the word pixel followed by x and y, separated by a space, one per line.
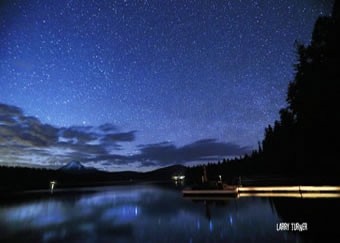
pixel 303 141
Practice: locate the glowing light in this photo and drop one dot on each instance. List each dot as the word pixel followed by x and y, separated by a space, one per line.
pixel 266 191
pixel 320 195
pixel 179 177
pixel 52 184
pixel 320 188
pixel 269 188
pixel 290 188
pixel 210 226
pixel 292 194
pixel 270 194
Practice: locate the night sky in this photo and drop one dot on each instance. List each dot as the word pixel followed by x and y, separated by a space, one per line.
pixel 137 85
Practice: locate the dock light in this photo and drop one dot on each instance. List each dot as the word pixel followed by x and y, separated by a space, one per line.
pixel 52 184
pixel 181 177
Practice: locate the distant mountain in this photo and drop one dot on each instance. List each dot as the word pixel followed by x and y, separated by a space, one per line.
pixel 76 167
pixel 165 173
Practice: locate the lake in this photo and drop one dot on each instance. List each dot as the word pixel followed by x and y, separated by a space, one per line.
pixel 150 213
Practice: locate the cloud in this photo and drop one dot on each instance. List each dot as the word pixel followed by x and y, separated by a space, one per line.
pixel 9 110
pixel 33 142
pixel 25 140
pixel 202 150
pixel 107 127
pixel 7 120
pixel 80 135
pixel 122 137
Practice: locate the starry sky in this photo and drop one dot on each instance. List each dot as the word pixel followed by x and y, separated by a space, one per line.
pixel 137 85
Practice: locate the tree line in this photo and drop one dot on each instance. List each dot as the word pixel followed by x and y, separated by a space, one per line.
pixel 304 140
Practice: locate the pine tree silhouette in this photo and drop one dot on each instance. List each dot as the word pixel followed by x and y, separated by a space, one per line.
pixel 304 140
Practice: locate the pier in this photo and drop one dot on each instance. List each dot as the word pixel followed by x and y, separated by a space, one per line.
pixel 265 191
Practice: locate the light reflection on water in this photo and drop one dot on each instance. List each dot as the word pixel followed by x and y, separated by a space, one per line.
pixel 140 214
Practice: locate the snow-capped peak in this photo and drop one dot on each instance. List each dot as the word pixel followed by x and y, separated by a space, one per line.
pixel 74 165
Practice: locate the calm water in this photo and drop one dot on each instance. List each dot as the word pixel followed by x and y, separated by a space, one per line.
pixel 155 214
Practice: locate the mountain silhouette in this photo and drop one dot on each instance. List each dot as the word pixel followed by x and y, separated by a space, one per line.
pixel 76 167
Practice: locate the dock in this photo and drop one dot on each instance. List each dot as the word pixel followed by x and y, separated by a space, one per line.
pixel 266 191
pixel 289 189
pixel 210 192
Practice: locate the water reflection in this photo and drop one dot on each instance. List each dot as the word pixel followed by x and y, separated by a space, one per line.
pixel 145 214
pixel 321 216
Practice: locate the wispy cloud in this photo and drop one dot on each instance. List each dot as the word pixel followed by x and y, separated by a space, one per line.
pixel 202 150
